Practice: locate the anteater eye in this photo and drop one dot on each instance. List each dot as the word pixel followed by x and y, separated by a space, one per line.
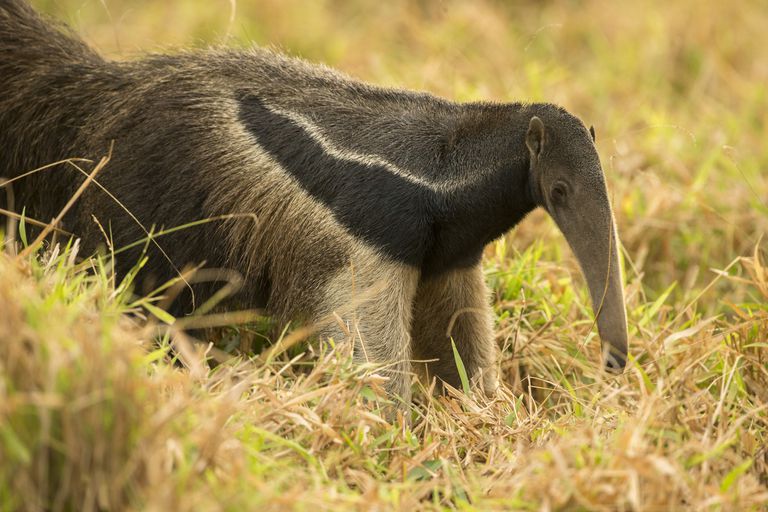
pixel 559 191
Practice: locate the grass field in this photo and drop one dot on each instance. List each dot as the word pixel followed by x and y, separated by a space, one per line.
pixel 96 415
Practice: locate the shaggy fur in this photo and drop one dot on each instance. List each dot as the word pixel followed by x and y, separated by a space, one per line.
pixel 359 192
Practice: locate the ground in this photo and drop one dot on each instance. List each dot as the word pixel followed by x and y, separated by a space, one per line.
pixel 97 413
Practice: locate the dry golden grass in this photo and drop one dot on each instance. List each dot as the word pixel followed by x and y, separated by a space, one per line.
pixel 96 414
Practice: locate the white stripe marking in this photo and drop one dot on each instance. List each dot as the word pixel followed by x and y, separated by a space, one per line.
pixel 333 150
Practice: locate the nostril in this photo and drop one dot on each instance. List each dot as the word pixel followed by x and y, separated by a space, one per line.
pixel 615 363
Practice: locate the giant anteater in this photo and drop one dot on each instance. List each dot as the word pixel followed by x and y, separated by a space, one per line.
pixel 358 191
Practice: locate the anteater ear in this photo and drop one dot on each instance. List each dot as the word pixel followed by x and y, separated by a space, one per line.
pixel 534 139
pixel 592 132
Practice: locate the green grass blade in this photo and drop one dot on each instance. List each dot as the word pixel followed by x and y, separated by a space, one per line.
pixel 460 367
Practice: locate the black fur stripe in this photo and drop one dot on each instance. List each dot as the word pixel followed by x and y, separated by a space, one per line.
pixel 381 208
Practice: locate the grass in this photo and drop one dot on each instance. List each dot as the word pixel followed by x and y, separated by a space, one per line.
pixel 100 410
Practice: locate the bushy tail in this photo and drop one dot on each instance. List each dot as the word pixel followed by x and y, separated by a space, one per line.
pixel 27 40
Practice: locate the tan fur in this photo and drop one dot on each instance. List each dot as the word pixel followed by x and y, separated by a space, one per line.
pixel 322 269
pixel 456 305
pixel 380 325
pixel 296 240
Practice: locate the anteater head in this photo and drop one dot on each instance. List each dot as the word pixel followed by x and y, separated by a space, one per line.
pixel 567 180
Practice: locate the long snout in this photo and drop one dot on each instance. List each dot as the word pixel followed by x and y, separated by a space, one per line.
pixel 607 292
pixel 595 244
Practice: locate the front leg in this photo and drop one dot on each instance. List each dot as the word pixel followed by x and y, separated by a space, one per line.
pixel 373 302
pixel 456 305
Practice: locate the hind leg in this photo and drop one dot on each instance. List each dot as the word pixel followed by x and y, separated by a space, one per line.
pixel 456 306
